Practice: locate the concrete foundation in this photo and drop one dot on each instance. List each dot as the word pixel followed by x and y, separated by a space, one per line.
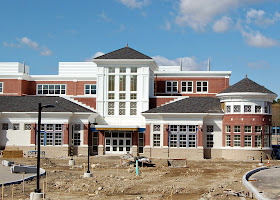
pixel 36 196
pixel 71 163
pixel 88 175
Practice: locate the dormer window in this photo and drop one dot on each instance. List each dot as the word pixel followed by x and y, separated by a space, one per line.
pixel 236 109
pixel 247 108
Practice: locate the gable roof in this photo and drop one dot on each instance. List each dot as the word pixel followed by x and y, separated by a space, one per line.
pixel 31 104
pixel 190 105
pixel 246 85
pixel 124 53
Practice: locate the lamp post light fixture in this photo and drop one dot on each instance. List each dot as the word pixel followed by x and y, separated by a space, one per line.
pixel 38 190
pixel 88 173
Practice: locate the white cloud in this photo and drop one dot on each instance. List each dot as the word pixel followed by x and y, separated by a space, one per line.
pixel 134 3
pixel 222 24
pixel 259 18
pixel 45 52
pixel 97 54
pixel 197 14
pixel 256 39
pixel 104 16
pixel 166 26
pixel 188 63
pixel 258 65
pixel 27 42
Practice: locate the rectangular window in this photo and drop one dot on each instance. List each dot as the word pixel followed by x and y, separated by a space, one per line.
pixel 192 140
pixel 201 86
pixel 49 127
pixel 258 109
pixel 228 109
pixel 111 108
pixel 122 108
pixel 111 83
pixel 228 140
pixel 228 130
pixel 247 129
pixel 258 141
pixel 141 142
pixel 133 108
pixel 1 87
pixel 210 128
pixel 77 139
pixel 90 89
pixel 247 108
pixel 266 141
pixel 111 96
pixel 183 128
pixel 133 83
pixel 133 69
pixel 173 140
pixel 51 89
pixel 156 128
pixel 247 141
pixel 16 127
pixel 122 82
pixel 58 127
pixel 237 108
pixel 210 141
pixel 236 140
pixel 258 129
pixel 111 70
pixel 122 95
pixel 172 86
pixel 5 126
pixel 58 139
pixel 266 129
pixel 156 140
pixel 192 128
pixel 49 138
pixel 122 69
pixel 27 127
pixel 183 140
pixel 174 128
pixel 187 86
pixel 133 96
pixel 236 129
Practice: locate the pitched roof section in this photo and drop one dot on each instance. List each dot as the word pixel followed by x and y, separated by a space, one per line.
pixel 190 105
pixel 31 103
pixel 246 85
pixel 124 53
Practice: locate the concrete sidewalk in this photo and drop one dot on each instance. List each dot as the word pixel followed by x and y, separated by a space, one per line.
pixel 7 177
pixel 267 183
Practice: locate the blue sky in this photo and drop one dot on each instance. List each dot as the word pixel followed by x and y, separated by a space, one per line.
pixel 242 36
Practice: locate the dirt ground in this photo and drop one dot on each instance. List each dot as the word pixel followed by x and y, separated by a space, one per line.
pixel 205 180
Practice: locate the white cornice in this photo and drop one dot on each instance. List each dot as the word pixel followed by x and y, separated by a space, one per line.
pixel 207 74
pixel 251 95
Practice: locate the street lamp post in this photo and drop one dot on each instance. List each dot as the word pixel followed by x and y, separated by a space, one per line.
pixel 88 174
pixel 38 190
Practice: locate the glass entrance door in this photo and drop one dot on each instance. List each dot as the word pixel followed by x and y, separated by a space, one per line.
pixel 117 142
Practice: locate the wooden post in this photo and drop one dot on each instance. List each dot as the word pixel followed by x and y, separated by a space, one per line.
pixel 2 191
pixel 43 190
pixel 46 181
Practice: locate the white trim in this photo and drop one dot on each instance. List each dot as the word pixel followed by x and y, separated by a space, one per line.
pixel 208 74
pixel 37 85
pixel 90 89
pixel 171 92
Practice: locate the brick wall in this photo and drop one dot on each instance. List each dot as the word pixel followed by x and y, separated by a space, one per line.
pixel 91 102
pixel 215 85
pixel 147 135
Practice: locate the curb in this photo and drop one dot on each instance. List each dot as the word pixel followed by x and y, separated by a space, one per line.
pixel 42 173
pixel 249 186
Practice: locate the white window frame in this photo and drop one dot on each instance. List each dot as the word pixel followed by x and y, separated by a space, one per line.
pixel 246 108
pixel 209 127
pixel 189 141
pixel 235 141
pixel 258 106
pixel 236 127
pixel 1 87
pixel 209 140
pixel 228 140
pixel 266 128
pixel 187 86
pixel 228 111
pixel 266 140
pixel 247 141
pixel 172 82
pixel 259 129
pixel 77 140
pixel 157 141
pixel 54 94
pixel 90 89
pixel 202 87
pixel 235 107
pixel 228 128
pixel 133 108
pixel 155 128
pixel 111 111
pixel 247 129
pixel 258 140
